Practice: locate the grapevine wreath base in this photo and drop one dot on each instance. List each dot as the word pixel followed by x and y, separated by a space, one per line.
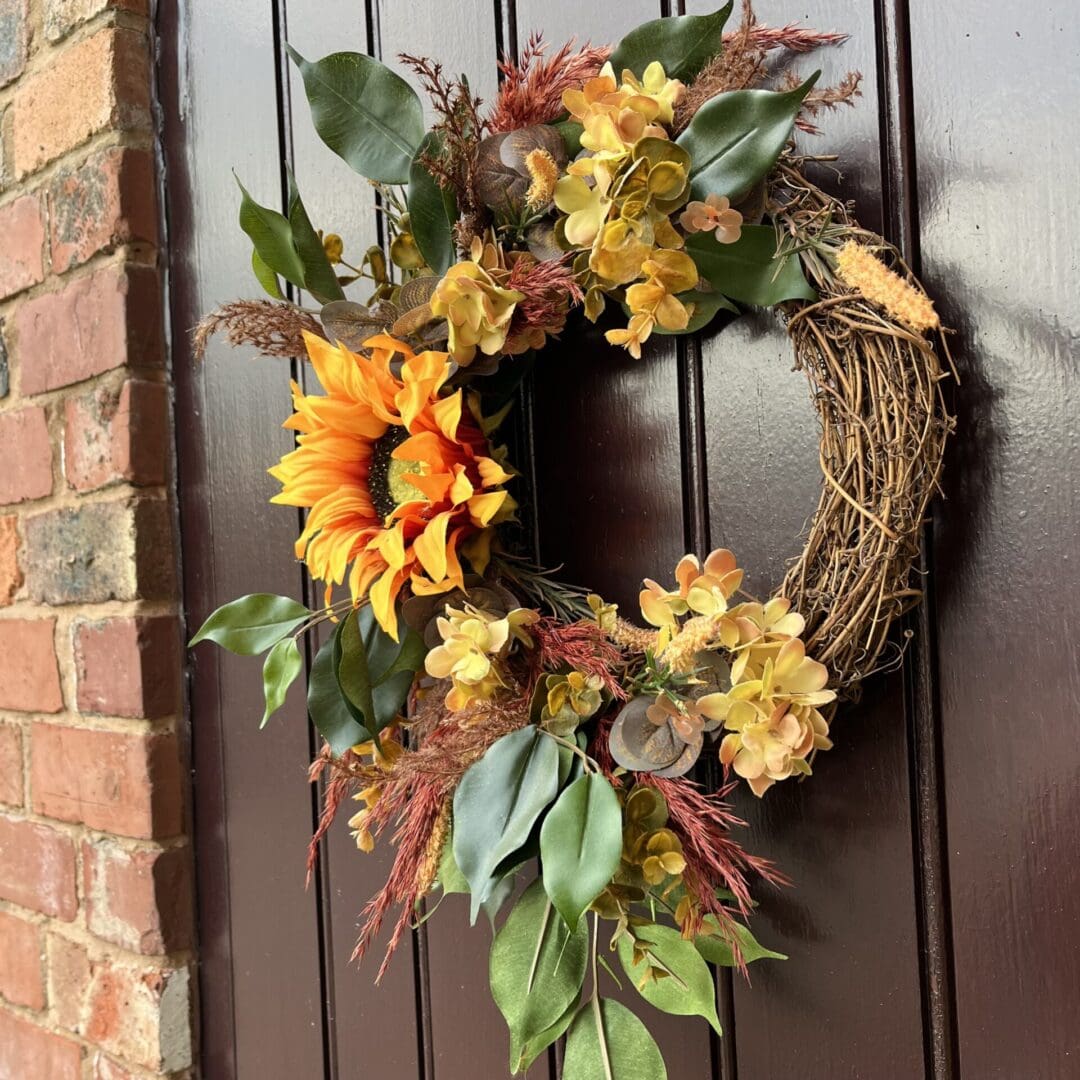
pixel 489 720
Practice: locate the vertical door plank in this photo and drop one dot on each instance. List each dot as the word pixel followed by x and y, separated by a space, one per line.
pixel 995 93
pixel 609 463
pixel 847 1002
pixel 340 200
pixel 258 927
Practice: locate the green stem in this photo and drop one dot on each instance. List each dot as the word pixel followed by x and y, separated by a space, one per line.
pixel 589 763
pixel 598 1015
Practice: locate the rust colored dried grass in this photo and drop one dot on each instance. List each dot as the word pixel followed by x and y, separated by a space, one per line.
pixel 275 329
pixel 549 288
pixel 581 645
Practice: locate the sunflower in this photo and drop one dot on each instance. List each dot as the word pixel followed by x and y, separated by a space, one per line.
pixel 400 481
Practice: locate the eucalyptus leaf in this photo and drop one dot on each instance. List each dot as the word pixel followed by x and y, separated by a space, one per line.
pixel 735 138
pixel 497 802
pixel 432 210
pixel 266 277
pixel 684 44
pixel 364 112
pixel 252 624
pixel 536 967
pixel 283 664
pixel 687 989
pixel 748 270
pixel 581 845
pixel 272 236
pixel 319 277
pixel 327 706
pixel 715 948
pixel 571 132
pixel 608 1042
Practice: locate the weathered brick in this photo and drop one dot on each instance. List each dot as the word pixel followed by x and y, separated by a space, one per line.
pixel 26 453
pixel 102 82
pixel 107 1069
pixel 11 765
pixel 69 968
pixel 119 783
pixel 62 16
pixel 141 1014
pixel 14 38
pixel 29 676
pixel 5 370
pixel 28 1052
pixel 20 962
pixel 115 435
pixel 114 316
pixel 103 551
pixel 108 201
pixel 128 666
pixel 140 900
pixel 11 577
pixel 37 868
pixel 23 231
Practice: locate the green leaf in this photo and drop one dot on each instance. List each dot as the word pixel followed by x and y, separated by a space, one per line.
pixel 581 845
pixel 498 800
pixel 252 624
pixel 522 1056
pixel 688 988
pixel 536 967
pixel 735 139
pixel 267 278
pixel 364 112
pixel 272 236
pixel 684 44
pixel 748 270
pixel 327 706
pixel 707 305
pixel 501 891
pixel 449 877
pixel 608 1042
pixel 571 132
pixel 283 664
pixel 319 277
pixel 374 671
pixel 715 949
pixel 432 211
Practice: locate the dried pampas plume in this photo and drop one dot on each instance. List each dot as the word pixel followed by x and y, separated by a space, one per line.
pixel 275 329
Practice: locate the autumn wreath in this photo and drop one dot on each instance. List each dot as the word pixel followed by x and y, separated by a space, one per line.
pixel 489 720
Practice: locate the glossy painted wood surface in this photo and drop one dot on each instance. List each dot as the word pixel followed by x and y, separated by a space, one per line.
pixel 900 967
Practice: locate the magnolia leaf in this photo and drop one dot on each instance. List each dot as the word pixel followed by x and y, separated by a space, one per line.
pixel 497 802
pixel 432 210
pixel 684 44
pixel 715 948
pixel 267 278
pixel 735 138
pixel 319 277
pixel 522 1056
pixel 364 112
pixel 272 236
pixel 327 707
pixel 748 270
pixel 252 624
pixel 283 664
pixel 536 967
pixel 608 1042
pixel 686 988
pixel 581 845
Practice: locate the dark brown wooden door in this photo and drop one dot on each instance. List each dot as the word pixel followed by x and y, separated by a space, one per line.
pixel 934 927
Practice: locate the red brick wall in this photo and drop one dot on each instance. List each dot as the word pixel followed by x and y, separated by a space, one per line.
pixel 96 922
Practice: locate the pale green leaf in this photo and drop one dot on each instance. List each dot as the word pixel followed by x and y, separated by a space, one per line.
pixel 272 236
pixel 252 624
pixel 714 948
pixel 319 277
pixel 283 664
pixel 266 277
pixel 608 1042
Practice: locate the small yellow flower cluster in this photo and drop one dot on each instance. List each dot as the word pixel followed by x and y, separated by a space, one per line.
pixel 383 755
pixel 569 700
pixel 649 847
pixel 861 269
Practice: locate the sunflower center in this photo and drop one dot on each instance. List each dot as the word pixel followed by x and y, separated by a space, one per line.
pixel 386 476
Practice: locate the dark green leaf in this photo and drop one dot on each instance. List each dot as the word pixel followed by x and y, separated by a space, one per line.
pixel 537 967
pixel 581 845
pixel 364 112
pixel 608 1042
pixel 571 132
pixel 283 664
pixel 252 624
pixel 327 706
pixel 748 270
pixel 498 800
pixel 688 988
pixel 735 139
pixel 272 236
pixel 432 211
pixel 319 277
pixel 267 278
pixel 522 1056
pixel 717 951
pixel 684 44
